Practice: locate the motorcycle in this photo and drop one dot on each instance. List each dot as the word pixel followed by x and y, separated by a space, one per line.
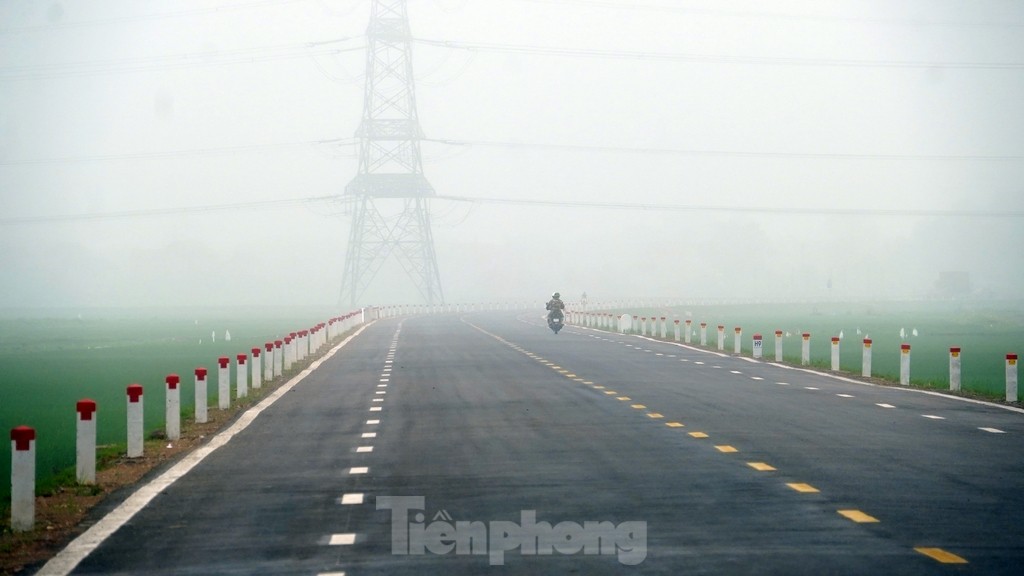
pixel 556 320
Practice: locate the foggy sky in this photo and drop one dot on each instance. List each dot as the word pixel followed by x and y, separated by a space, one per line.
pixel 234 93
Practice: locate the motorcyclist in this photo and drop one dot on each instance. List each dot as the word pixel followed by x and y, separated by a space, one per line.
pixel 555 306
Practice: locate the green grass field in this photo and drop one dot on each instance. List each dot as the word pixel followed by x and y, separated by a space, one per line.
pixel 49 361
pixel 986 333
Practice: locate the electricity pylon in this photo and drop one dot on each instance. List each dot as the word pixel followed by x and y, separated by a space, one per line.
pixel 390 174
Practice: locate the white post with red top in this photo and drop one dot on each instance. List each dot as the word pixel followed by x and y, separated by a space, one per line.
pixel 278 357
pixel 256 371
pixel 835 353
pixel 758 346
pixel 905 364
pixel 676 330
pixel 135 416
pixel 865 363
pixel 686 336
pixel 805 351
pixel 663 328
pixel 737 340
pixel 721 337
pixel 778 345
pixel 268 362
pixel 23 478
pixel 643 325
pixel 1011 377
pixel 173 406
pixel 85 442
pixel 223 382
pixel 954 368
pixel 241 376
pixel 289 348
pixel 703 333
pixel 202 414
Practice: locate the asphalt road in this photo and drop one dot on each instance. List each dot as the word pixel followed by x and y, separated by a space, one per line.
pixel 482 443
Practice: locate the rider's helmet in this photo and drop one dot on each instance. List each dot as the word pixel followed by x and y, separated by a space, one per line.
pixel 556 295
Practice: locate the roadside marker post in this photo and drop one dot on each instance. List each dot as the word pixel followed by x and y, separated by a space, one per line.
pixel 865 363
pixel 721 337
pixel 268 362
pixel 85 441
pixel 278 357
pixel 1011 377
pixel 778 345
pixel 224 383
pixel 954 369
pixel 23 478
pixel 737 340
pixel 676 334
pixel 288 351
pixel 663 328
pixel 703 333
pixel 835 353
pixel 256 371
pixel 135 420
pixel 758 346
pixel 905 364
pixel 241 376
pixel 202 395
pixel 172 417
pixel 687 337
pixel 805 352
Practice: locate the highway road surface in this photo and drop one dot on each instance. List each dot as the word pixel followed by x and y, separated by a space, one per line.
pixel 482 443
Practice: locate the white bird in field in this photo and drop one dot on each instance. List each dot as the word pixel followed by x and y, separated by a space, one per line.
pixel 903 333
pixel 840 334
pixel 914 332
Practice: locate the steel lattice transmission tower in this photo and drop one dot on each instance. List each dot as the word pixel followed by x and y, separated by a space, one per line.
pixel 390 174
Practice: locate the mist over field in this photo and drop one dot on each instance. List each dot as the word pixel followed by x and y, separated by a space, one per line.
pixel 196 153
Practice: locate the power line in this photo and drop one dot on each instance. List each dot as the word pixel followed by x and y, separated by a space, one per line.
pixel 729 153
pixel 145 17
pixel 173 61
pixel 534 50
pixel 474 201
pixel 175 153
pixel 743 209
pixel 154 212
pixel 640 6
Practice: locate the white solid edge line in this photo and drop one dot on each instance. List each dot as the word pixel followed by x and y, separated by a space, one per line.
pixel 67 559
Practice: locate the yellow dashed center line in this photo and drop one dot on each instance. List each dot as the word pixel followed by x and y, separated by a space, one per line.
pixel 761 466
pixel 638 406
pixel 941 555
pixel 568 375
pixel 726 449
pixel 599 387
pixel 610 392
pixel 654 415
pixel 803 488
pixel 624 398
pixel 698 435
pixel 674 424
pixel 857 516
